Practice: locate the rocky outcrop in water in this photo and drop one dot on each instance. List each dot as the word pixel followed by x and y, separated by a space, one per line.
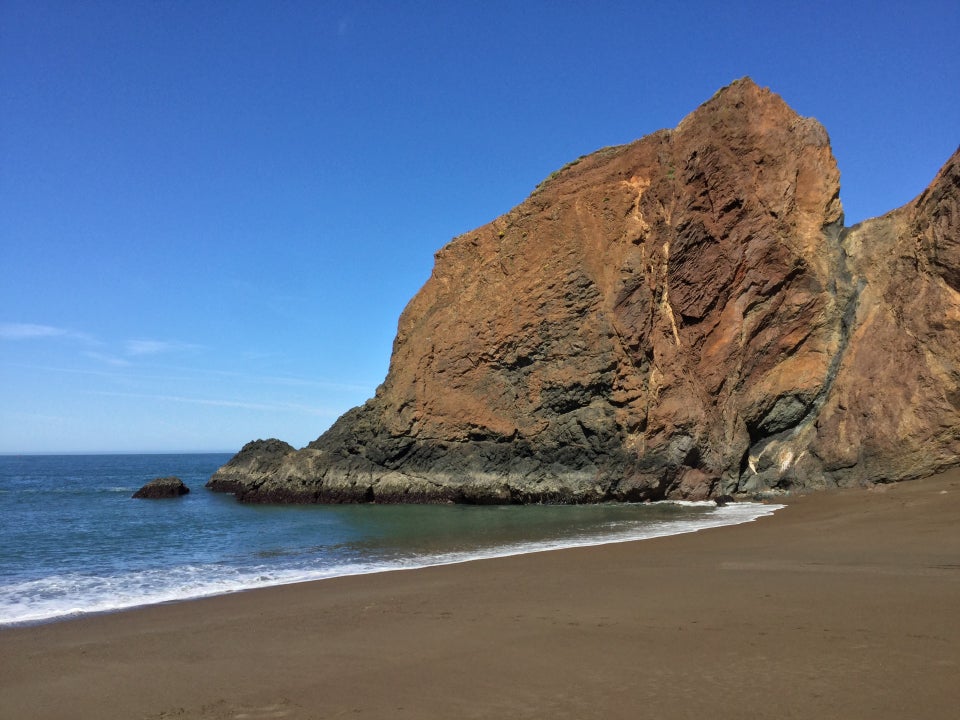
pixel 162 488
pixel 685 316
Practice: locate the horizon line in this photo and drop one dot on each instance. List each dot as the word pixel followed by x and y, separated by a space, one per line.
pixel 4 453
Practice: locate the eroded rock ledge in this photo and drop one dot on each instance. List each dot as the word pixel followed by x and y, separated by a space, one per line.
pixel 685 316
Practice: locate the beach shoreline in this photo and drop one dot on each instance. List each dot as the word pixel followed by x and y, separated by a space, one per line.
pixel 74 599
pixel 843 604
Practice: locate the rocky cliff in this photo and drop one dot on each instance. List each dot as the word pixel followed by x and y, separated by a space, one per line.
pixel 683 316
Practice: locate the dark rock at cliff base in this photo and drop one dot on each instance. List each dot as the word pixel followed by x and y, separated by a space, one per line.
pixel 256 463
pixel 161 488
pixel 685 316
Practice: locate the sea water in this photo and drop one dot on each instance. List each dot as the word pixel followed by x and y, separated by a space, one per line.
pixel 73 541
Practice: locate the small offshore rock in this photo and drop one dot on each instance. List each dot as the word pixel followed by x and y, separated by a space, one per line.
pixel 162 487
pixel 722 500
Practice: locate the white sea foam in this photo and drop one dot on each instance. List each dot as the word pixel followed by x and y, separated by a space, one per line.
pixel 76 593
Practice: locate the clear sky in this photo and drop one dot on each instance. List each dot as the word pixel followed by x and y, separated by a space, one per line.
pixel 213 213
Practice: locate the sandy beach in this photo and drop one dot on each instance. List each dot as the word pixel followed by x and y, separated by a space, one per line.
pixel 842 605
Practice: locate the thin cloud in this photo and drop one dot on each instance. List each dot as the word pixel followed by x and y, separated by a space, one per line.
pixel 108 359
pixel 155 347
pixel 256 379
pixel 187 373
pixel 69 370
pixel 270 407
pixel 32 331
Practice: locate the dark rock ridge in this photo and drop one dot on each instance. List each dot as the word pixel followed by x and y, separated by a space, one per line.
pixel 161 488
pixel 685 316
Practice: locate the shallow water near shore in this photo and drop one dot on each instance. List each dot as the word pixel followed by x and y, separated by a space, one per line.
pixel 73 541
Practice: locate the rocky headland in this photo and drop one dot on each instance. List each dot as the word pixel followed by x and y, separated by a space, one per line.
pixel 685 316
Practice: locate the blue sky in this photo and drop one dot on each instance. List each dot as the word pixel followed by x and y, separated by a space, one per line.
pixel 213 213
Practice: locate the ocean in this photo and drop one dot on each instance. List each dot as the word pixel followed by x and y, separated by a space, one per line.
pixel 73 541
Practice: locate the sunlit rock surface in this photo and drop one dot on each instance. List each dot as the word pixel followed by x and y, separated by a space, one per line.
pixel 681 317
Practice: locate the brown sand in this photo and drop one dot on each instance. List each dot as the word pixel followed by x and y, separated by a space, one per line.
pixel 843 605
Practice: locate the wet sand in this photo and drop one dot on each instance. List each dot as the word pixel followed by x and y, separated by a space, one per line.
pixel 842 605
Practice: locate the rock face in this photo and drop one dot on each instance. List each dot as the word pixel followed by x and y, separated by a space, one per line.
pixel 161 488
pixel 684 316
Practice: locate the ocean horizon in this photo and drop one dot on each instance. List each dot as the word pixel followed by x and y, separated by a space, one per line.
pixel 83 453
pixel 73 541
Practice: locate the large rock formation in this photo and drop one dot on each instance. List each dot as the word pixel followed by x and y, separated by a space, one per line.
pixel 683 316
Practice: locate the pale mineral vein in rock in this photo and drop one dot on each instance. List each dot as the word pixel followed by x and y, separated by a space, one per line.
pixel 680 317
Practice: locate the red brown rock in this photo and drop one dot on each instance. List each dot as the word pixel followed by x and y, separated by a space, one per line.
pixel 683 316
